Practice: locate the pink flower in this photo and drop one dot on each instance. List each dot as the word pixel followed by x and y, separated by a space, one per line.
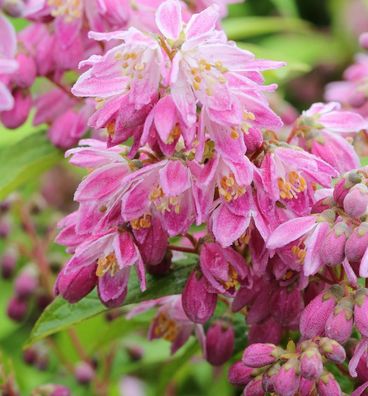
pixel 115 254
pixel 126 75
pixel 170 322
pixel 7 62
pixel 162 189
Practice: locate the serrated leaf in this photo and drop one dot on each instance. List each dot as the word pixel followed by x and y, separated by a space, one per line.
pixel 245 27
pixel 25 161
pixel 60 315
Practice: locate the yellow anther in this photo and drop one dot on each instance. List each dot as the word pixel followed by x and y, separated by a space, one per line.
pixel 107 264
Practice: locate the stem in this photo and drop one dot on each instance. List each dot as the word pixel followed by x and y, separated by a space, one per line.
pixel 182 249
pixel 38 251
pixel 333 275
pixel 192 240
pixel 292 134
pixel 77 345
pixel 62 87
pixel 61 356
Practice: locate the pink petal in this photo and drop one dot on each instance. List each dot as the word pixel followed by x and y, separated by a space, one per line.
pixel 290 231
pixel 202 23
pixel 174 178
pixel 169 20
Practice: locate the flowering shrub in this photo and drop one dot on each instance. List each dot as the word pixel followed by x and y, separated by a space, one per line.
pixel 208 207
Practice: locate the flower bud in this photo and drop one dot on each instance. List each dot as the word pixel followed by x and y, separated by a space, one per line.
pixel 4 228
pixel 26 72
pixel 314 317
pixel 60 390
pixel 17 309
pixel 333 248
pixel 219 343
pixel 328 386
pixel 75 285
pixel 306 387
pixel 286 381
pixel 341 189
pixel 361 311
pixel 311 365
pixel 339 325
pixel 357 243
pixel 332 350
pixel 198 304
pixel 18 115
pixel 322 205
pixel 363 40
pixel 240 374
pixel 13 8
pixel 260 355
pixel 8 262
pixel 84 373
pixel 25 284
pixel 52 390
pixel 254 388
pixel 30 355
pixel 356 200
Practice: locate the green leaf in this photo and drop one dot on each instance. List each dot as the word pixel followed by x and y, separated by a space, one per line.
pixel 25 160
pixel 245 27
pixel 60 315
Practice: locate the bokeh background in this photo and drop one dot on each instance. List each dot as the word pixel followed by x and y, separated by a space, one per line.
pixel 318 39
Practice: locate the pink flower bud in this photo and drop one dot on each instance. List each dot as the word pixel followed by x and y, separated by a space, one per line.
pixel 328 386
pixel 8 262
pixel 361 311
pixel 314 317
pixel 332 350
pixel 240 374
pixel 26 72
pixel 13 8
pixel 219 343
pixel 18 115
pixel 75 285
pixel 60 390
pixel 356 200
pixel 306 387
pixel 363 40
pixel 254 388
pixel 25 284
pixel 253 139
pixel 152 241
pixel 198 304
pixel 260 355
pixel 84 373
pixel 333 248
pixel 339 325
pixel 30 355
pixel 311 365
pixel 17 309
pixel 286 381
pixel 357 243
pixel 4 228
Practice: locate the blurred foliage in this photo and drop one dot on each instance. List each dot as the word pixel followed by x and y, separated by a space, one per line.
pixel 317 39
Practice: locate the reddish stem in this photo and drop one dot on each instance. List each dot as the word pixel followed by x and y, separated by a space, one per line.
pixel 182 249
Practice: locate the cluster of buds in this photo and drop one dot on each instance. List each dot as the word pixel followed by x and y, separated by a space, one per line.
pixel 286 372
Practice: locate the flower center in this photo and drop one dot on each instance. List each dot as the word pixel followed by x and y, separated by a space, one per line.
pixel 69 9
pixel 162 202
pixel 299 253
pixel 229 189
pixel 233 279
pixel 131 66
pixel 142 222
pixel 107 264
pixel 166 328
pixel 206 76
pixel 292 186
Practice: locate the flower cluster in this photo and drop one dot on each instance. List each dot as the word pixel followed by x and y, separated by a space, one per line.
pixel 187 158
